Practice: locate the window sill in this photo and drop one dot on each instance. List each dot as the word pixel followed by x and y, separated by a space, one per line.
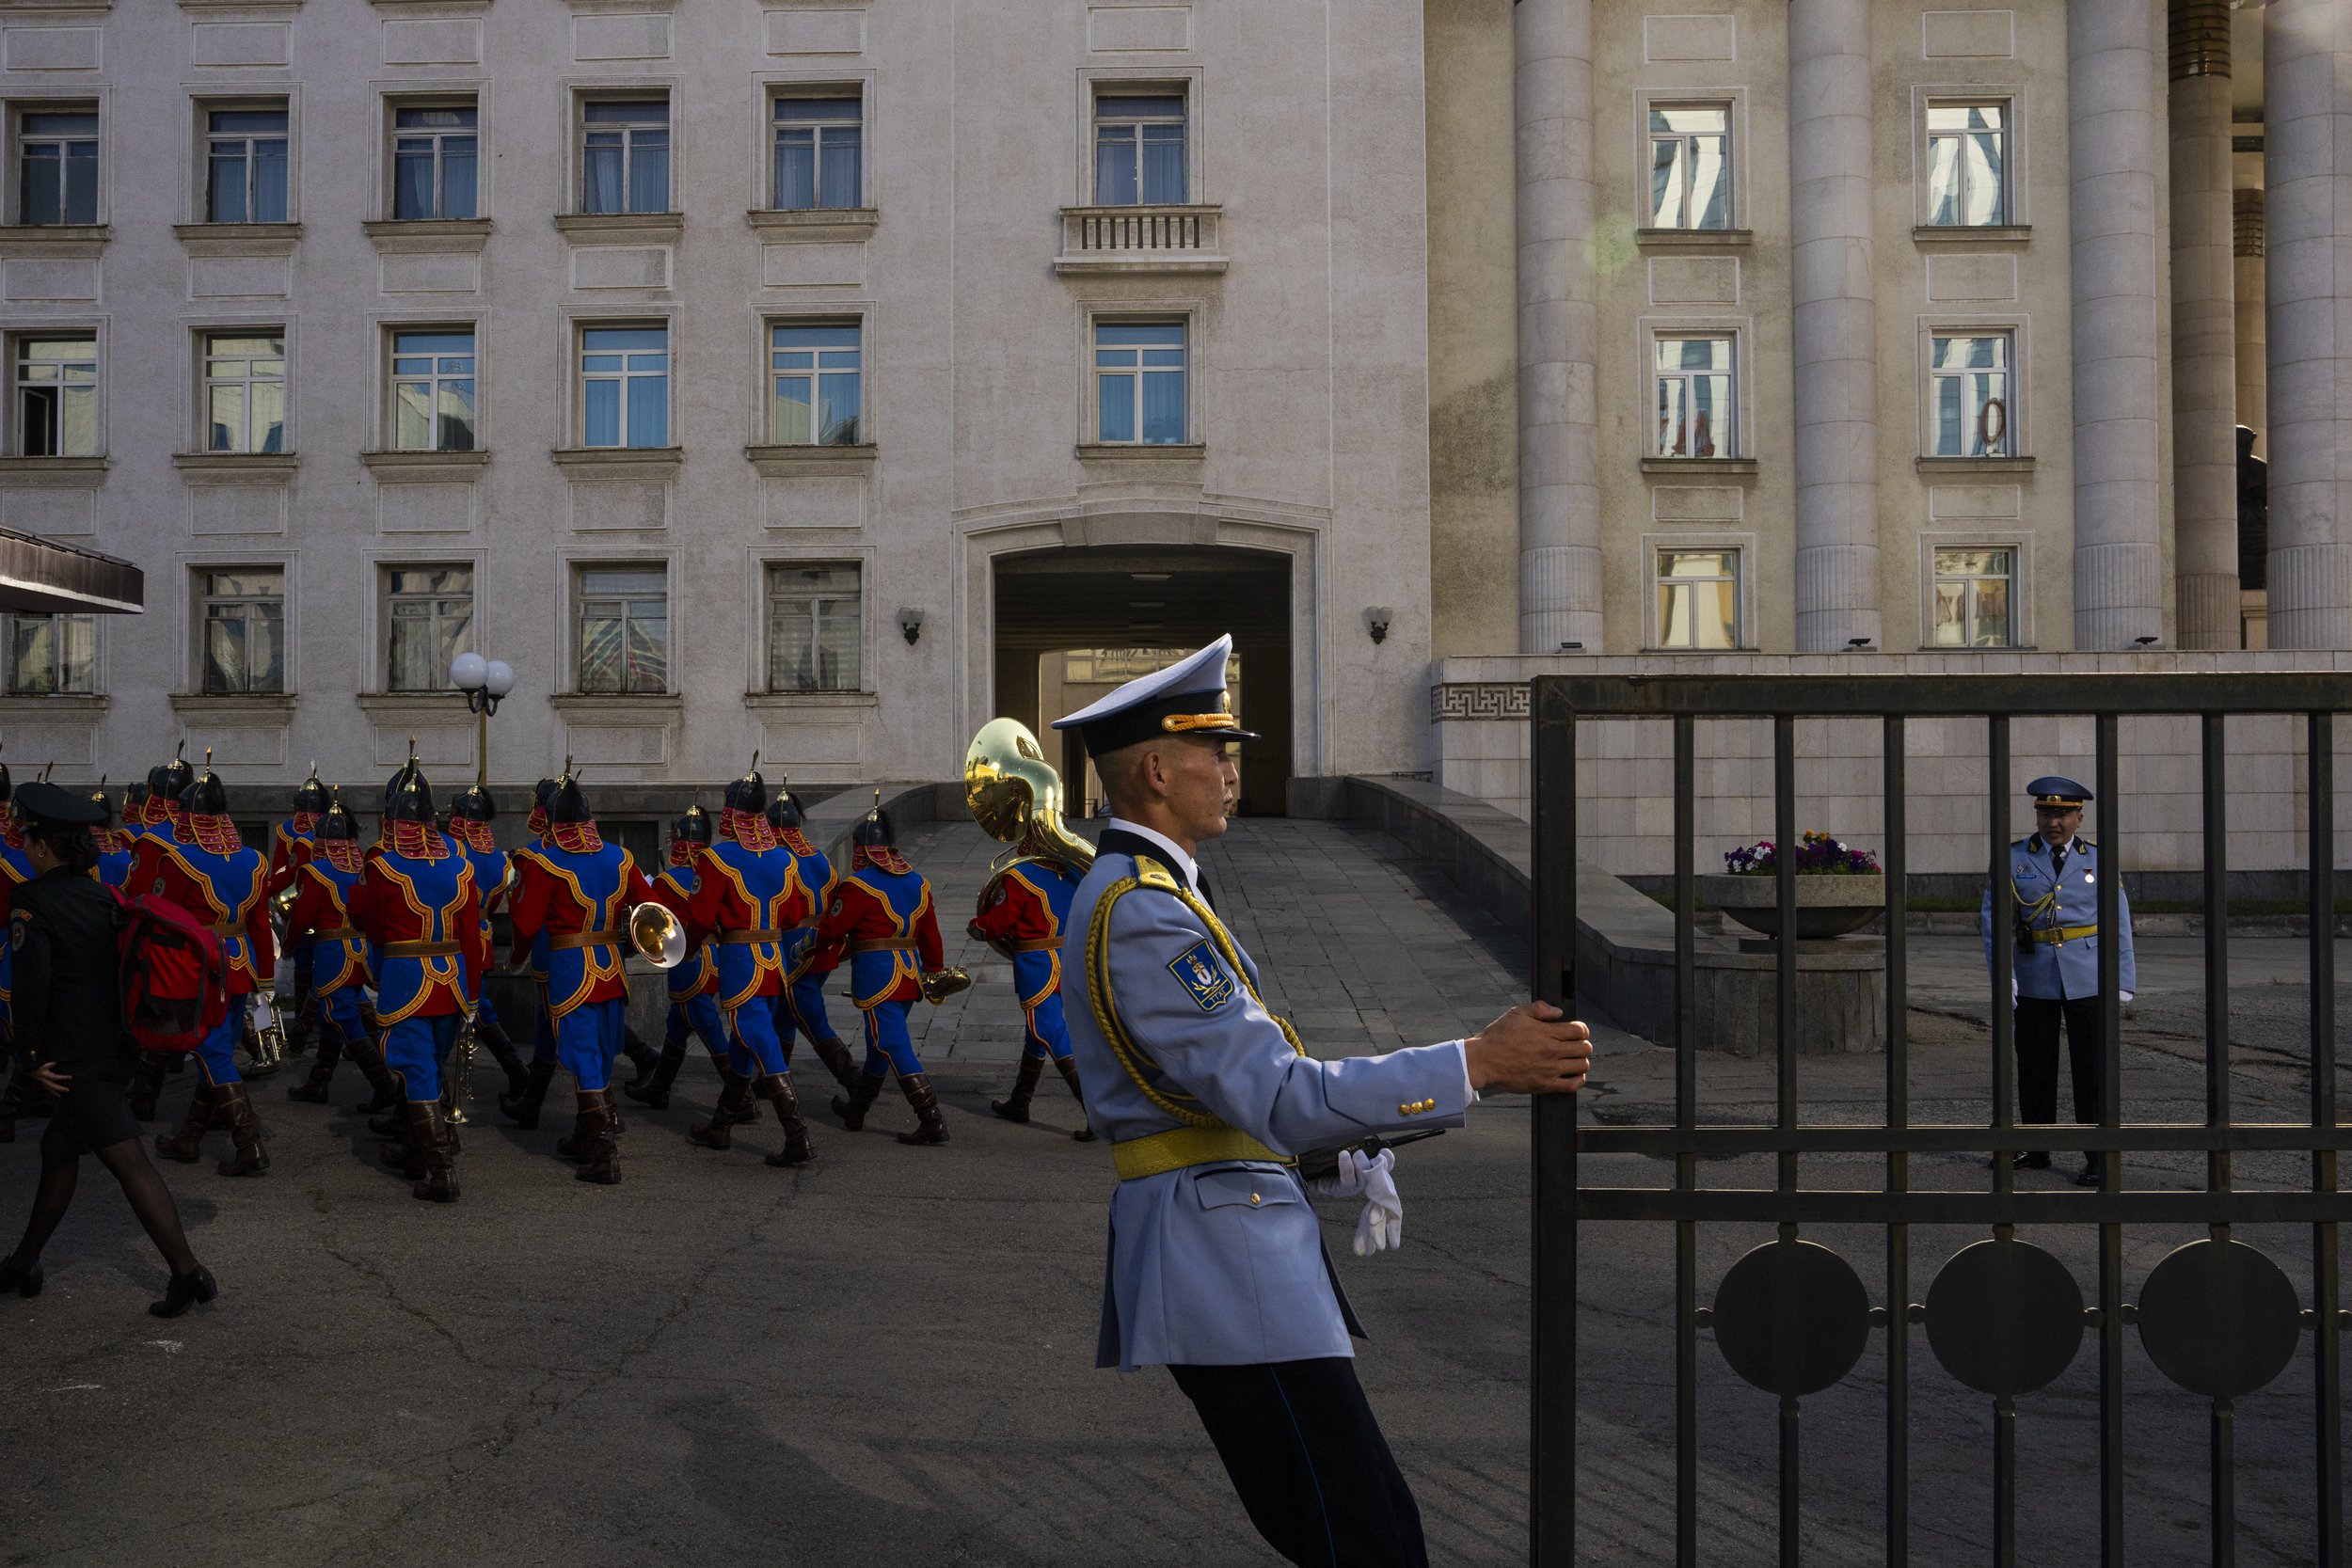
pixel 434 236
pixel 238 239
pixel 66 472
pixel 798 459
pixel 811 699
pixel 1128 451
pixel 1704 239
pixel 1948 467
pixel 236 468
pixel 237 5
pixel 72 239
pixel 1686 467
pixel 1952 234
pixel 259 702
pixel 590 460
pixel 619 228
pixel 417 703
pixel 618 702
pixel 21 705
pixel 2004 648
pixel 827 223
pixel 422 464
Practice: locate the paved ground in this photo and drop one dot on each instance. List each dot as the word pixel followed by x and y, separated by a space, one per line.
pixel 885 1357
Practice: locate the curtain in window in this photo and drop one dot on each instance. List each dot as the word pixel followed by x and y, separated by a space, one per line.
pixel 648 410
pixel 650 171
pixel 601 186
pixel 269 182
pixel 842 184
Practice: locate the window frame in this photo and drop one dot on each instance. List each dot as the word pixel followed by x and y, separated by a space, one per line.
pixel 1095 82
pixel 2018 194
pixel 773 94
pixel 1657 103
pixel 1182 92
pixel 2011 536
pixel 201 599
pixel 582 95
pixel 228 100
pixel 2016 327
pixel 62 331
pixel 9 685
pixel 204 335
pixel 2007 401
pixel 1656 546
pixel 577 599
pixel 1727 96
pixel 389 600
pixel 1729 442
pixel 19 110
pixel 1092 396
pixel 771 569
pixel 768 373
pixel 389 383
pixel 473 97
pixel 581 326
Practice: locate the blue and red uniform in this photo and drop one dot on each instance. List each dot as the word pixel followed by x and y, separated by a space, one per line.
pixel 15 869
pixel 804 998
pixel 881 916
pixel 748 896
pixel 489 864
pixel 1024 920
pixel 200 864
pixel 417 903
pixel 570 915
pixel 694 985
pixel 326 936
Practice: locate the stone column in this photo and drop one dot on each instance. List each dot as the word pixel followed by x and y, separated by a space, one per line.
pixel 2111 138
pixel 2306 170
pixel 1559 414
pixel 2204 329
pixel 2253 309
pixel 1836 331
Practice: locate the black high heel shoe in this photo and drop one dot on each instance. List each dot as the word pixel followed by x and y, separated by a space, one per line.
pixel 185 1291
pixel 24 1278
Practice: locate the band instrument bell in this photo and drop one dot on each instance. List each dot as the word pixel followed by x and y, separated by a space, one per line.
pixel 657 936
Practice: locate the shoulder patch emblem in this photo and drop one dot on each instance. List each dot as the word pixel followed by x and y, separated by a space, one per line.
pixel 1203 975
pixel 16 928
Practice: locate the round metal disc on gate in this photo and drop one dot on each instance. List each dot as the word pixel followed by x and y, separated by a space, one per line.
pixel 1792 1318
pixel 2004 1318
pixel 2219 1319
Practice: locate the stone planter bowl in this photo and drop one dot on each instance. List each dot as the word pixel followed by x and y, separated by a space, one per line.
pixel 1829 904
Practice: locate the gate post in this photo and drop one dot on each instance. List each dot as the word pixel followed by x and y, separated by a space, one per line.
pixel 1551 865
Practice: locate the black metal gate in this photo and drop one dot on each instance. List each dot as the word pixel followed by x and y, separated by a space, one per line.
pixel 2003 1317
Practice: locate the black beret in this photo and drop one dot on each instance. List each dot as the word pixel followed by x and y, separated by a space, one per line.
pixel 53 803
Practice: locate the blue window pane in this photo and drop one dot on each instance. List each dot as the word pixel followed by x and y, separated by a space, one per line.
pixel 412 180
pixel 1162 409
pixel 649 411
pixel 649 111
pixel 43 185
pixel 1164 359
pixel 1163 164
pixel 1116 408
pixel 269 182
pixel 435 120
pixel 838 409
pixel 433 343
pixel 816 337
pixel 849 110
pixel 457 177
pixel 81 183
pixel 601 180
pixel 649 173
pixel 1115 173
pixel 795 169
pixel 248 121
pixel 227 185
pixel 1168 106
pixel 1140 332
pixel 616 339
pixel 60 125
pixel 604 414
pixel 842 185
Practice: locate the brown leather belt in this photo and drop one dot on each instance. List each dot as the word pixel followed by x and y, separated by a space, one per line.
pixel 338 933
pixel 421 950
pixel 761 933
pixel 881 945
pixel 224 932
pixel 571 941
pixel 1034 944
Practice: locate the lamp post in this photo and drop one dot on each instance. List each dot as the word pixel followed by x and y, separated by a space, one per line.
pixel 485 682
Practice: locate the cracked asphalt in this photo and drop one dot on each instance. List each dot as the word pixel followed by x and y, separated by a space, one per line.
pixel 886 1357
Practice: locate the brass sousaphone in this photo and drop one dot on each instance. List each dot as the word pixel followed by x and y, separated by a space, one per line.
pixel 1016 797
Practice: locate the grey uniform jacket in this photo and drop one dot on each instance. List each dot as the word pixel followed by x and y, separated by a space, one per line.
pixel 1221 1264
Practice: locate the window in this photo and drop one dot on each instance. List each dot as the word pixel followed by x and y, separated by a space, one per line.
pixel 814 384
pixel 51 655
pixel 821 146
pixel 1689 165
pixel 1968 395
pixel 624 629
pixel 1695 398
pixel 244 154
pixel 816 629
pixel 1973 598
pixel 1698 599
pixel 625 159
pixel 57 397
pixel 1140 382
pixel 1967 165
pixel 244 630
pixel 1139 150
pixel 433 390
pixel 435 158
pixel 625 386
pixel 430 609
pixel 57 167
pixel 245 392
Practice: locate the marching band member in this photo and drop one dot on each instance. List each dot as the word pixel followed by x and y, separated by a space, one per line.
pixel 749 894
pixel 694 985
pixel 469 818
pixel 114 843
pixel 881 915
pixel 1021 915
pixel 289 847
pixel 522 1109
pixel 576 891
pixel 321 928
pixel 195 859
pixel 145 805
pixel 802 1003
pixel 416 905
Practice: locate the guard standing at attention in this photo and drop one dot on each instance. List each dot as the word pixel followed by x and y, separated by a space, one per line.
pixel 320 926
pixel 881 915
pixel 576 892
pixel 802 1000
pixel 469 818
pixel 417 906
pixel 2053 918
pixel 196 860
pixel 290 845
pixel 694 985
pixel 1021 913
pixel 69 1014
pixel 749 896
pixel 1216 1268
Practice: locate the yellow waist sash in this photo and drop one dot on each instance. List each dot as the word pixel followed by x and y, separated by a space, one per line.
pixel 1181 1147
pixel 2064 933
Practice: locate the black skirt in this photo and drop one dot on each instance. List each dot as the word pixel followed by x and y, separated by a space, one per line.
pixel 97 1104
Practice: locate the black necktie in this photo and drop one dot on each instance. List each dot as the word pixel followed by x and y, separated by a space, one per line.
pixel 1200 885
pixel 2057 862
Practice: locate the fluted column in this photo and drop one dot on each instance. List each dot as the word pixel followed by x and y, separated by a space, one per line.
pixel 1835 330
pixel 1559 414
pixel 2204 328
pixel 2307 167
pixel 2111 137
pixel 2253 312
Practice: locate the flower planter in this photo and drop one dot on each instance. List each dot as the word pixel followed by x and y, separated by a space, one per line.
pixel 1828 904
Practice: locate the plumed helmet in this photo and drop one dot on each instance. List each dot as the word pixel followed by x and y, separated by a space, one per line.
pixel 172 779
pixel 542 792
pixel 137 796
pixel 397 786
pixel 207 796
pixel 784 811
pixel 104 802
pixel 408 798
pixel 694 826
pixel 749 792
pixel 873 831
pixel 473 805
pixel 312 796
pixel 568 805
pixel 337 822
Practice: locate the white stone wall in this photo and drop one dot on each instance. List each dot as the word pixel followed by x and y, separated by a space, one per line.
pixel 1309 352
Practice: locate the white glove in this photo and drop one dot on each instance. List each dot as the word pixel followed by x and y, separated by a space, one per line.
pixel 2123 996
pixel 1381 1226
pixel 1348 1180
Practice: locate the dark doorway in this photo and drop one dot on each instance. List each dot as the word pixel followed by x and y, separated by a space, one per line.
pixel 1111 600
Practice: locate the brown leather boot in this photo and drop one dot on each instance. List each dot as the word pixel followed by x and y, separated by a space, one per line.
pixel 930 1125
pixel 1069 1066
pixel 1015 1106
pixel 580 1142
pixel 187 1145
pixel 146 1084
pixel 719 1132
pixel 835 1055
pixel 312 1089
pixel 400 1153
pixel 367 1054
pixel 523 1109
pixel 654 1093
pixel 248 1158
pixel 776 1089
pixel 302 1030
pixel 862 1097
pixel 643 1058
pixel 431 1137
pixel 501 1045
pixel 603 1150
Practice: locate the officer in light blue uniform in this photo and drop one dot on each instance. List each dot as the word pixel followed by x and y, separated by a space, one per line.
pixel 2050 912
pixel 1216 1268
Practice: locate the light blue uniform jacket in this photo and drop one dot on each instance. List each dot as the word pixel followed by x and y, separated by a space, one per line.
pixel 2055 970
pixel 1222 1264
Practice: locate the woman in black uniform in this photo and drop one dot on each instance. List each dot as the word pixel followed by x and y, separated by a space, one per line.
pixel 69 1030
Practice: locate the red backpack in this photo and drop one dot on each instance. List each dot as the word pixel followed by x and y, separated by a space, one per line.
pixel 175 982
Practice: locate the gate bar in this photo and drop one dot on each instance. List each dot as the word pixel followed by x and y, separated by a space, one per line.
pixel 1552 1383
pixel 2109 791
pixel 1685 1164
pixel 2327 1339
pixel 1894 861
pixel 2004 1015
pixel 2214 734
pixel 1785 1040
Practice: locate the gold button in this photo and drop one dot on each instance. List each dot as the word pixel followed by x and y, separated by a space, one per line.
pixel 1404 1110
pixel 1253 1200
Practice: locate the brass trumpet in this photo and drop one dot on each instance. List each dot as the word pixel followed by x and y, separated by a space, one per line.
pixel 460 1087
pixel 658 936
pixel 941 984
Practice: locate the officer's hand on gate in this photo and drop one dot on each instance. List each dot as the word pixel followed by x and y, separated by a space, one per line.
pixel 1532 1049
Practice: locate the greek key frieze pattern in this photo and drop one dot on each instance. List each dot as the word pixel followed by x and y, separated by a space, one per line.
pixel 1501 700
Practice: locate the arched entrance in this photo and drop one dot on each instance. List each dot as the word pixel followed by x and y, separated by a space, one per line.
pixel 1073 622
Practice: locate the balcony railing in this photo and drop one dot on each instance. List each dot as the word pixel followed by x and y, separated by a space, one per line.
pixel 1185 239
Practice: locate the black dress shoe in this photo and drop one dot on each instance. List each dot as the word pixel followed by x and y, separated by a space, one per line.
pixel 185 1291
pixel 2030 1160
pixel 24 1278
pixel 2092 1174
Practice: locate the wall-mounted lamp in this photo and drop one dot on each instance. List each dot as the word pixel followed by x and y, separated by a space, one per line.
pixel 1376 621
pixel 911 625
